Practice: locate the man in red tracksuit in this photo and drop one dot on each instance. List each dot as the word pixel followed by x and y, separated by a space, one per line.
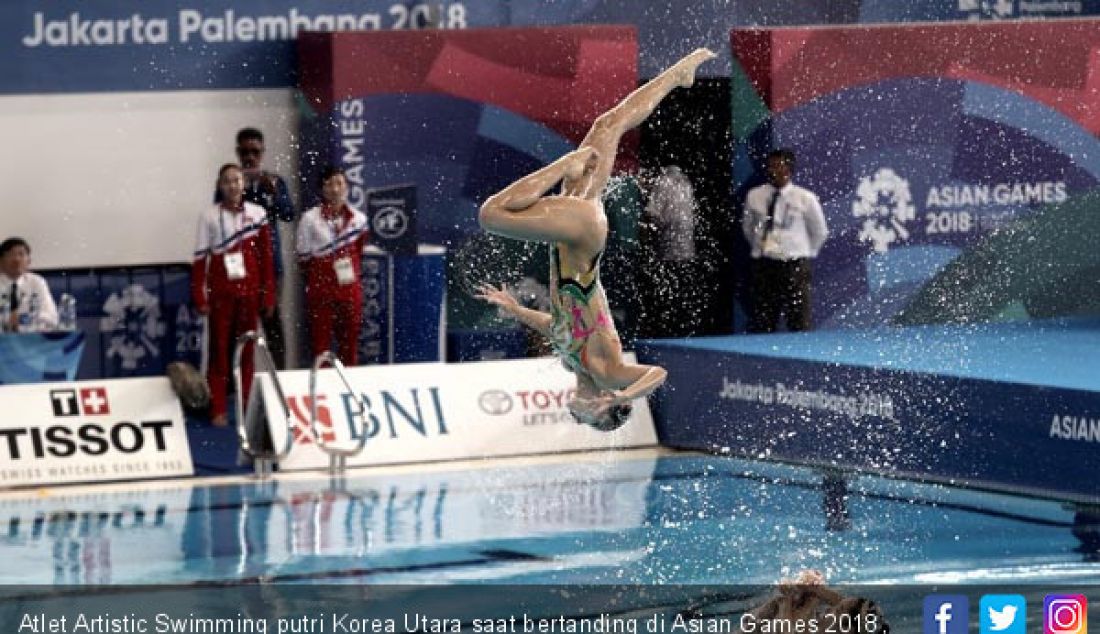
pixel 232 280
pixel 330 245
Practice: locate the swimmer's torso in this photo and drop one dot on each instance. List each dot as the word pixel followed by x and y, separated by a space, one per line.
pixel 578 307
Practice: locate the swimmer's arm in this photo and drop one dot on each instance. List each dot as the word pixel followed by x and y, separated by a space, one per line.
pixel 500 297
pixel 643 381
pixel 534 319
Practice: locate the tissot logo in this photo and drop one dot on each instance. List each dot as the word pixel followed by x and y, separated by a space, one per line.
pixel 64 403
pixel 495 402
pixel 89 401
pixel 94 401
pixel 91 439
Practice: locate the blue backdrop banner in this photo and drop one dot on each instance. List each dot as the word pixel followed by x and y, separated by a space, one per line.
pixel 69 46
pixel 40 357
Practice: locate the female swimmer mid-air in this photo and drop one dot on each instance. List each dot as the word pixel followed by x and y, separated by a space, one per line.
pixel 574 224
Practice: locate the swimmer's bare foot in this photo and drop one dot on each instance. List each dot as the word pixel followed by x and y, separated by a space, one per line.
pixel 577 161
pixel 685 68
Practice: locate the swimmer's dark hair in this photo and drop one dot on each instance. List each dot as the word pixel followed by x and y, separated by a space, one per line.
pixel 621 413
pixel 11 243
pixel 328 172
pixel 783 154
pixel 617 416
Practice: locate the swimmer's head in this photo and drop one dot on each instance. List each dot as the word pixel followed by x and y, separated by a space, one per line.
pixel 613 419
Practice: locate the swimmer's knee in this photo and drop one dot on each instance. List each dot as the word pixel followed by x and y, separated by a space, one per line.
pixel 489 213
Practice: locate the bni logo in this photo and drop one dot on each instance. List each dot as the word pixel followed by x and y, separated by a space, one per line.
pixel 946 614
pixel 87 401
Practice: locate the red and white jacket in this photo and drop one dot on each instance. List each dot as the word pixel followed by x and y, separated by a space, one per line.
pixel 243 231
pixel 322 240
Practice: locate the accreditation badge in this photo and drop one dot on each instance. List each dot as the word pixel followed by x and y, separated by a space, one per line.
pixel 234 266
pixel 345 272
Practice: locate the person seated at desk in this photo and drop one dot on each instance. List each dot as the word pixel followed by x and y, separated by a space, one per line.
pixel 25 301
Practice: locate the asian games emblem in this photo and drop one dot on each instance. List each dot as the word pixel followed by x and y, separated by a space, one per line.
pixel 885 204
pixel 133 324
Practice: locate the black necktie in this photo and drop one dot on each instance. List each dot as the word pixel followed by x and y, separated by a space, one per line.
pixel 14 297
pixel 771 214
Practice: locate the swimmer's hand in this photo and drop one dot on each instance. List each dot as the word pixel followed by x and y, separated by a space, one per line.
pixel 501 297
pixel 508 306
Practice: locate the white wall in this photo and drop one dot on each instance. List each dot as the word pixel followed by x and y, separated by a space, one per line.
pixel 120 178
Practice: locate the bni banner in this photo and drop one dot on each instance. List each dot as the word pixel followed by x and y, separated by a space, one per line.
pixel 431 412
pixel 126 429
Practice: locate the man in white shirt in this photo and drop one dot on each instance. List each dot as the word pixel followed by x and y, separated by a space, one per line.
pixel 785 227
pixel 25 301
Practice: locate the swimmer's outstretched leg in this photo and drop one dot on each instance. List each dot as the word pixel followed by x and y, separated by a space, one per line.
pixel 609 127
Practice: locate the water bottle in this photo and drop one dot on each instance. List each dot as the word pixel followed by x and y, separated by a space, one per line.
pixel 66 313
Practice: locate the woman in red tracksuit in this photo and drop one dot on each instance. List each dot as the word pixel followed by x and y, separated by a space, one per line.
pixel 232 280
pixel 330 245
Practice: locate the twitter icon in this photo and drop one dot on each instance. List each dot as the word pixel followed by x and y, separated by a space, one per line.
pixel 1003 614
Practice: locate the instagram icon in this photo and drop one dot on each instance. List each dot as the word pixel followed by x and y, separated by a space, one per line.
pixel 1065 614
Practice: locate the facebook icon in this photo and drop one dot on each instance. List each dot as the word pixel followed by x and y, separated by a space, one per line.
pixel 946 614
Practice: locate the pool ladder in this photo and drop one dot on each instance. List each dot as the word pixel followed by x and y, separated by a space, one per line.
pixel 248 416
pixel 338 458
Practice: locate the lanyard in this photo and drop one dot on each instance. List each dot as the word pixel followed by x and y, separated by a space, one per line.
pixel 221 222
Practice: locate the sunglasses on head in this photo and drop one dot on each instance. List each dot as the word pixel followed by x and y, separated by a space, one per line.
pixel 247 151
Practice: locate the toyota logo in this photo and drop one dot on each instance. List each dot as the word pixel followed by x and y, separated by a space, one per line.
pixel 390 222
pixel 495 402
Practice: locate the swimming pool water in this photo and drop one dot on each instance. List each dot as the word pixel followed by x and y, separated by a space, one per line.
pixel 614 517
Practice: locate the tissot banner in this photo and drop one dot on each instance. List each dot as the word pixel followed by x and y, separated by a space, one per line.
pixel 91 431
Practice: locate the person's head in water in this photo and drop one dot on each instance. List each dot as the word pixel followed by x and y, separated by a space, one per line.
pixel 780 167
